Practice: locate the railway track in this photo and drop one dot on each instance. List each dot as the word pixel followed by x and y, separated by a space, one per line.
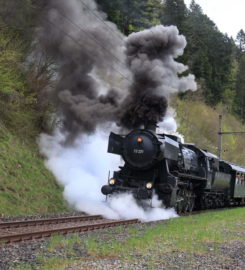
pixel 17 231
pixel 48 221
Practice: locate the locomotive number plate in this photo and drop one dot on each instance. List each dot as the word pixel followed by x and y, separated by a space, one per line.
pixel 138 151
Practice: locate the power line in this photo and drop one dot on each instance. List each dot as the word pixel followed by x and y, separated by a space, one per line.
pixel 153 43
pixel 94 38
pixel 74 24
pixel 232 132
pixel 220 133
pixel 91 37
pixel 89 34
pixel 80 45
pixel 101 20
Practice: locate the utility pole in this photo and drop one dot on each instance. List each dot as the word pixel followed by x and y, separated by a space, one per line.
pixel 220 136
pixel 220 133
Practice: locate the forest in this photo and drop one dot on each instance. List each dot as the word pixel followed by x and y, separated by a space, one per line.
pixel 217 60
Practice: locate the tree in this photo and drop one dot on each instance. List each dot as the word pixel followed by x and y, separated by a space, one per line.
pixel 241 41
pixel 174 13
pixel 195 8
pixel 240 97
pixel 132 15
pixel 151 13
pixel 17 15
pixel 209 53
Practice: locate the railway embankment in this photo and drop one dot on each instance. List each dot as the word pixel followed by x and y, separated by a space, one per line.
pixel 26 186
pixel 212 240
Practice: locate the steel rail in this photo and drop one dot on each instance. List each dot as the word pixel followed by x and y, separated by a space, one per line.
pixel 63 231
pixel 37 222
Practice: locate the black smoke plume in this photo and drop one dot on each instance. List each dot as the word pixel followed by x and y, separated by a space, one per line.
pixel 150 57
pixel 82 43
pixel 91 62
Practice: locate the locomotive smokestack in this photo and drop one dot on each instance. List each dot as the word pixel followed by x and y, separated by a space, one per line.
pixel 152 126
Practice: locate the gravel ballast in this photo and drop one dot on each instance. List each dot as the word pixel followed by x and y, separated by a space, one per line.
pixel 230 255
pixel 40 216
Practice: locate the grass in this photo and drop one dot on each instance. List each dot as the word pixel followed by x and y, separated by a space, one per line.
pixel 26 186
pixel 61 242
pixel 199 124
pixel 187 234
pixel 192 235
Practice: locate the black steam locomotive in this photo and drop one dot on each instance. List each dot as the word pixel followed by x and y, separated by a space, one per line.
pixel 182 175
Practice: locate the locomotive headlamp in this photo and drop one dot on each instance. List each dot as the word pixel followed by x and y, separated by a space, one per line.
pixel 149 185
pixel 112 181
pixel 139 139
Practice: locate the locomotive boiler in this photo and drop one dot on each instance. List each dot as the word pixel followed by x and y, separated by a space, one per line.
pixel 181 175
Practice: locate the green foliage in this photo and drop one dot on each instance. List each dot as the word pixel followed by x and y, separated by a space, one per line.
pixel 17 16
pixel 241 40
pixel 15 94
pixel 174 13
pixel 132 15
pixel 209 53
pixel 26 186
pixel 240 95
pixel 203 130
pixel 229 93
pixel 11 81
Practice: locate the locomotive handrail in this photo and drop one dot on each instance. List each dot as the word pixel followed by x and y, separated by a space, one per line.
pixel 190 176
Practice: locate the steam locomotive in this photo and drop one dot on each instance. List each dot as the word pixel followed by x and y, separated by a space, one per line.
pixel 182 175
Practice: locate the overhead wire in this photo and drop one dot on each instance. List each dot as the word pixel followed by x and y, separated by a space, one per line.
pixel 91 37
pixel 91 11
pixel 80 45
pixel 95 39
pixel 98 17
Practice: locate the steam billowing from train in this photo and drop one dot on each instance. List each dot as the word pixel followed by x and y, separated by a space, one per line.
pixel 103 79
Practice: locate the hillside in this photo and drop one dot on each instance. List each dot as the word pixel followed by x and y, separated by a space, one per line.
pixel 199 124
pixel 26 187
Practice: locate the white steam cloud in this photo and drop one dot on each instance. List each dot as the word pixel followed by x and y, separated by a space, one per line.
pixel 169 125
pixel 83 168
